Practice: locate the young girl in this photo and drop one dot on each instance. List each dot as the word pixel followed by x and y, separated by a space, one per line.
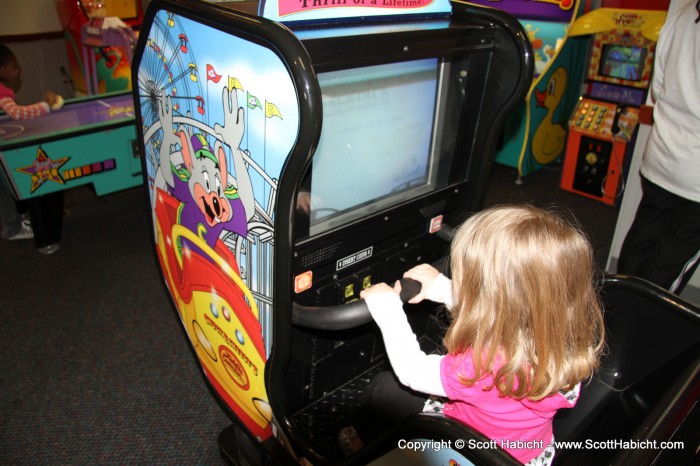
pixel 10 82
pixel 12 226
pixel 526 327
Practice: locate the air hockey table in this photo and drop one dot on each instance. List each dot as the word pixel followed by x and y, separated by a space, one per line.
pixel 89 141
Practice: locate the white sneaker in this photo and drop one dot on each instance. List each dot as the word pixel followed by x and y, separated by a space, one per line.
pixel 25 232
pixel 50 249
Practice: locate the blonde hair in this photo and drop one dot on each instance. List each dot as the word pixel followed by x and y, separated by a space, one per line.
pixel 523 283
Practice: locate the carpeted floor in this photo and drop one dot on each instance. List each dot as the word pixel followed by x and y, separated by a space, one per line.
pixel 541 188
pixel 95 368
pixel 94 365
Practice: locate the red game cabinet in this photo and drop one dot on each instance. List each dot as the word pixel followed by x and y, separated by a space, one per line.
pixel 599 133
pixel 602 128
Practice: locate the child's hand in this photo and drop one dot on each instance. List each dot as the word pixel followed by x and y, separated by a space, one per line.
pixel 375 290
pixel 425 274
pixel 55 101
pixel 50 98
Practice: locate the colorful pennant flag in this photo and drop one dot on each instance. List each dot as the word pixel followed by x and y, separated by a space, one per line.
pixel 234 83
pixel 211 74
pixel 253 102
pixel 271 110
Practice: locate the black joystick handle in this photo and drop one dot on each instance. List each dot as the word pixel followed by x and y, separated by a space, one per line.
pixel 409 289
pixel 345 316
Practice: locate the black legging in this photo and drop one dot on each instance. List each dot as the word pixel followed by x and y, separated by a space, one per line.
pixel 385 403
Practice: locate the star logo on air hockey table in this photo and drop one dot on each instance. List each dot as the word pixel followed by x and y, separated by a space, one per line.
pixel 44 169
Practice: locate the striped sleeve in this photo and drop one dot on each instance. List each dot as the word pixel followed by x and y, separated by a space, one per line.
pixel 23 112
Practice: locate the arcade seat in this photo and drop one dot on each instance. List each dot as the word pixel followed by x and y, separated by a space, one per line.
pixel 647 387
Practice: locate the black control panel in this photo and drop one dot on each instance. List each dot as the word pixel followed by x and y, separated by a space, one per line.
pixel 592 165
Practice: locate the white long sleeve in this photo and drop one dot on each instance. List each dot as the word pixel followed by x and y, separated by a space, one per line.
pixel 414 368
pixel 440 291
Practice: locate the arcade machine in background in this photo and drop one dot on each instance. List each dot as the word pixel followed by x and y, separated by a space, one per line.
pixel 90 141
pixel 535 135
pixel 633 191
pixel 99 37
pixel 603 127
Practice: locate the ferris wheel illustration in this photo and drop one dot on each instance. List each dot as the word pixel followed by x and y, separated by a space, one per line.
pixel 168 68
pixel 169 72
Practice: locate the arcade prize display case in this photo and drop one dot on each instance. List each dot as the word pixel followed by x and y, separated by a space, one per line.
pixel 294 153
pixel 100 36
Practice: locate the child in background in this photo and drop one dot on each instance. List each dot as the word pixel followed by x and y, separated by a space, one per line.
pixel 13 226
pixel 526 329
pixel 11 81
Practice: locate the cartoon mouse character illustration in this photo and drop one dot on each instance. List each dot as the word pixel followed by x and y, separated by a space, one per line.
pixel 199 176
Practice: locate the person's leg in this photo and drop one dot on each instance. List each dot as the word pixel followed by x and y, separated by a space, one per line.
pixel 650 223
pixel 11 220
pixel 385 403
pixel 678 249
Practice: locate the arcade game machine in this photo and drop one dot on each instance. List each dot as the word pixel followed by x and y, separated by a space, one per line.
pixel 297 164
pixel 90 141
pixel 100 36
pixel 294 166
pixel 602 127
pixel 535 135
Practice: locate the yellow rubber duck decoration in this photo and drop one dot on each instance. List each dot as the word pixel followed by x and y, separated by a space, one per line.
pixel 549 139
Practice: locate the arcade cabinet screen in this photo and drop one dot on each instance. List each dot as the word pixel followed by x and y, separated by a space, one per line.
pixel 376 140
pixel 622 62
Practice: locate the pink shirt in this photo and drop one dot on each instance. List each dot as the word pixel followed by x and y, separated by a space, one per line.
pixel 521 427
pixel 20 112
pixel 504 420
